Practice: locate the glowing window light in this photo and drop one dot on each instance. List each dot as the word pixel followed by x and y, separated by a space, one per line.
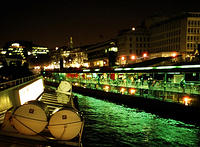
pixel 31 92
pixel 186 100
pixel 132 91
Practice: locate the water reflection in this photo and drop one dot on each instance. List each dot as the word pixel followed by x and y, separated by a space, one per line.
pixel 108 124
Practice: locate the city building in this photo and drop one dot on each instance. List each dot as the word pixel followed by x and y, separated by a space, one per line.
pixel 133 44
pixel 102 54
pixel 180 33
pixel 160 37
pixel 38 50
pixel 23 49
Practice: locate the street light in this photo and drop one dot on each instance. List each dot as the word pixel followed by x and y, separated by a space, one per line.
pixel 133 57
pixel 132 91
pixel 122 58
pixel 144 55
pixel 174 54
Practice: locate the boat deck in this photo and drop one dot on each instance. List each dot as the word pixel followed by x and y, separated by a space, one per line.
pixel 9 134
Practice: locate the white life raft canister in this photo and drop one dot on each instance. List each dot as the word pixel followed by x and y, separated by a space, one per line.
pixel 31 118
pixel 65 124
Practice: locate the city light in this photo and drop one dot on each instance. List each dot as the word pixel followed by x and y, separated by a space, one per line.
pixel 144 55
pixel 132 91
pixel 122 90
pixel 37 67
pixel 86 64
pixel 186 100
pixel 122 58
pixel 133 57
pixel 106 88
pixel 174 54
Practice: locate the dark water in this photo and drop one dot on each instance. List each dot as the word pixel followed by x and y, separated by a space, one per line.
pixel 108 124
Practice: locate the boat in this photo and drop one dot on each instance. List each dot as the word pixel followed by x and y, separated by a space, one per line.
pixel 52 118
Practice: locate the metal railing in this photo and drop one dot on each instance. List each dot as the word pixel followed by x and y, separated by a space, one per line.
pixel 9 84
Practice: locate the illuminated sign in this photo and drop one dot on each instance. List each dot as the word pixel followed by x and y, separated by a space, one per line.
pixel 31 92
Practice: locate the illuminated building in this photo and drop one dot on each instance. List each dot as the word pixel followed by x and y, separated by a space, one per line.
pixel 132 44
pixel 39 50
pixel 23 49
pixel 180 33
pixel 160 37
pixel 102 54
pixel 15 49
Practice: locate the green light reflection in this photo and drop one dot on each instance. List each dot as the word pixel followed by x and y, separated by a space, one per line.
pixel 111 124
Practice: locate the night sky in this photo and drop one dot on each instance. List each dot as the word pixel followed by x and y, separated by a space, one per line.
pixel 50 23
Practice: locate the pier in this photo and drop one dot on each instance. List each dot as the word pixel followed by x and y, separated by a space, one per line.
pixel 176 84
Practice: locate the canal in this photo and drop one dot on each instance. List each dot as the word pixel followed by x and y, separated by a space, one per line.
pixel 108 124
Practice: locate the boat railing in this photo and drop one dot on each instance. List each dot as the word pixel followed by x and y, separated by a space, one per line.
pixel 9 84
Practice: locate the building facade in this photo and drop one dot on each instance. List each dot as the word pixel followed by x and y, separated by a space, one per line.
pixel 23 49
pixel 160 37
pixel 179 33
pixel 102 54
pixel 133 44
